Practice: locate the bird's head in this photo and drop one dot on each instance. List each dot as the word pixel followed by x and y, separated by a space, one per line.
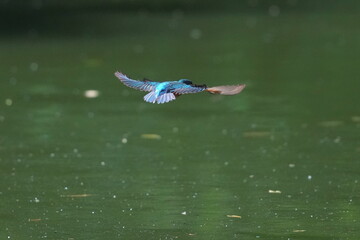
pixel 185 81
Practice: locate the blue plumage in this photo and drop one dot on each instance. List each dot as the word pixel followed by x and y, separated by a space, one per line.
pixel 163 92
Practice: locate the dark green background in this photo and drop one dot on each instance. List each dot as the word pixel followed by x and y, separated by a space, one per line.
pixel 295 128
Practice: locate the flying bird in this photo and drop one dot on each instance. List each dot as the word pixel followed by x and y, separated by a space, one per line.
pixel 163 92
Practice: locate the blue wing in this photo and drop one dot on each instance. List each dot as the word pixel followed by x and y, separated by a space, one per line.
pixel 181 88
pixel 146 86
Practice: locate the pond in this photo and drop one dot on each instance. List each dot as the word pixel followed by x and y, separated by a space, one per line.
pixel 278 161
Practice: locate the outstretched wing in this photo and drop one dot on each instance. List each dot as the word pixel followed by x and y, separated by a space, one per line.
pixel 146 86
pixel 182 88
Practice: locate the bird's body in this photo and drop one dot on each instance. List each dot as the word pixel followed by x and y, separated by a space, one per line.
pixel 162 92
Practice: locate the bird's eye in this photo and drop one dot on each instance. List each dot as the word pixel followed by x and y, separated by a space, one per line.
pixel 186 81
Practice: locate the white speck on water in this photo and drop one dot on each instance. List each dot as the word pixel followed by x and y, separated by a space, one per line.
pixel 36 200
pixel 267 37
pixel 251 22
pixel 103 163
pixel 91 93
pixel 52 155
pixel 291 165
pixel 124 140
pixel 309 177
pixel 184 213
pixel 138 48
pixel 8 102
pixel 195 33
pixel 91 115
pixel 34 66
pixel 93 212
pixel 274 11
pixel 114 196
pixel 13 81
pixel 65 188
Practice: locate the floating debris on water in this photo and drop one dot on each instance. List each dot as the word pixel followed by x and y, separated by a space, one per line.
pixel 355 118
pixel 309 177
pixel 34 66
pixel 274 191
pixel 334 123
pixel 274 11
pixel 91 93
pixel 35 200
pixel 124 140
pixel 337 140
pixel 256 134
pixel 233 216
pixel 34 219
pixel 291 165
pixel 298 230
pixel 184 213
pixel 8 102
pixel 77 195
pixel 150 136
pixel 195 33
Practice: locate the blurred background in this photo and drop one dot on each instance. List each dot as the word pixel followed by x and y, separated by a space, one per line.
pixel 84 157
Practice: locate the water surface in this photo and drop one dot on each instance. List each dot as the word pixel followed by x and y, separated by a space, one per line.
pixel 278 161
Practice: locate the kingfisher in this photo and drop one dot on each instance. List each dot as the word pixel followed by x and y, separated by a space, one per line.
pixel 163 92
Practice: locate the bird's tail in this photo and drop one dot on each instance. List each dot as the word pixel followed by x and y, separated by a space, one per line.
pixel 226 90
pixel 150 97
pixel 164 98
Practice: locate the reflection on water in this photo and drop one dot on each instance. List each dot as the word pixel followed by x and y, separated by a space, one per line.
pixel 83 157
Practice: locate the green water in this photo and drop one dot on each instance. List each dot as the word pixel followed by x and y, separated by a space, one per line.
pixel 283 155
